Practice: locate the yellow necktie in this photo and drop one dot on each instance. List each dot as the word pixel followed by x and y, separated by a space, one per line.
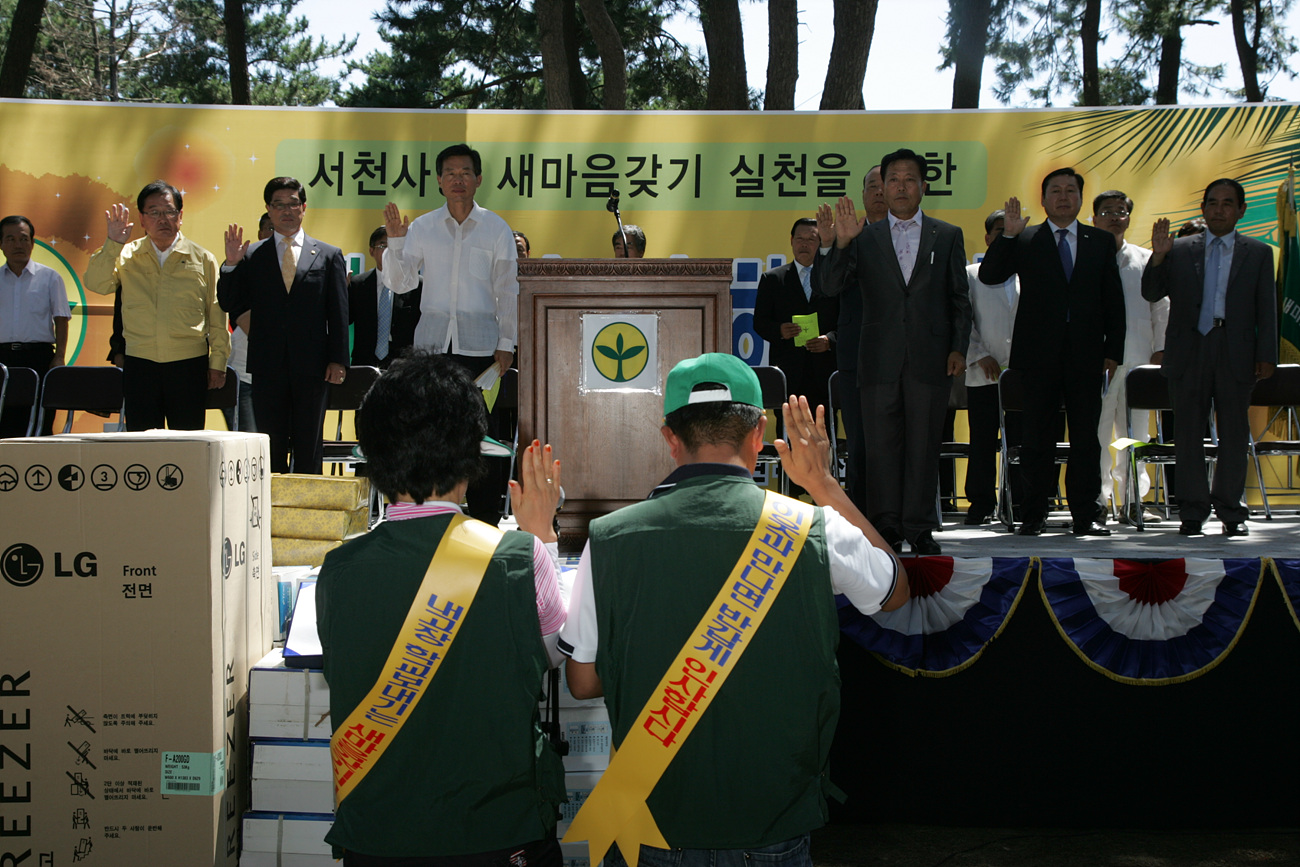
pixel 287 265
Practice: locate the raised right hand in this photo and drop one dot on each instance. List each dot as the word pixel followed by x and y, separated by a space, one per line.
pixel 1013 224
pixel 236 246
pixel 394 223
pixel 119 223
pixel 847 224
pixel 1161 242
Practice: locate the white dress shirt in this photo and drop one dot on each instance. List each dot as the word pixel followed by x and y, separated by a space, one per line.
pixel 30 302
pixel 470 303
pixel 993 318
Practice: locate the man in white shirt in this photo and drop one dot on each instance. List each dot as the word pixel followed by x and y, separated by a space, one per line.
pixel 34 314
pixel 469 309
pixel 1144 343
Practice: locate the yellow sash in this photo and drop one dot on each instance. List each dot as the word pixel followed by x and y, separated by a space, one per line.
pixel 436 614
pixel 616 808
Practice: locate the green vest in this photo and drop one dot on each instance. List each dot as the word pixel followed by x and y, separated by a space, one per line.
pixel 471 770
pixel 753 772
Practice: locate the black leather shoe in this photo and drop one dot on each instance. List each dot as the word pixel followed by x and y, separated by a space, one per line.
pixel 1032 528
pixel 977 517
pixel 925 546
pixel 1103 514
pixel 1190 528
pixel 893 538
pixel 1235 529
pixel 1092 528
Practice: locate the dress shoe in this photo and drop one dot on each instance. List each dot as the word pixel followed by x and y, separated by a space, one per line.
pixel 1091 528
pixel 893 538
pixel 1190 528
pixel 977 517
pixel 1103 514
pixel 1032 528
pixel 925 546
pixel 1235 528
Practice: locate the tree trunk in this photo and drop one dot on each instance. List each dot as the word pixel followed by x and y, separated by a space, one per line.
pixel 1090 36
pixel 855 24
pixel 237 52
pixel 970 46
pixel 1171 59
pixel 23 30
pixel 555 56
pixel 782 54
pixel 725 43
pixel 1247 52
pixel 613 60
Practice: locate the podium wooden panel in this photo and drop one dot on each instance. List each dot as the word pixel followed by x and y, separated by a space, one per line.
pixel 609 442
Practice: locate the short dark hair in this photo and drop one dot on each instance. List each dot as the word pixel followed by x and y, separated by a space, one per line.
pixel 284 183
pixel 903 155
pixel 717 423
pixel 263 220
pixel 802 221
pixel 1057 173
pixel 15 219
pixel 158 188
pixel 636 233
pixel 1226 182
pixel 1193 226
pixel 380 234
pixel 1111 194
pixel 527 245
pixel 420 427
pixel 459 150
pixel 991 220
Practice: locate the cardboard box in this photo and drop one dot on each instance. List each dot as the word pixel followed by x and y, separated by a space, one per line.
pixel 589 734
pixel 320 492
pixel 296 838
pixel 136 595
pixel 292 777
pixel 331 525
pixel 287 702
pixel 300 552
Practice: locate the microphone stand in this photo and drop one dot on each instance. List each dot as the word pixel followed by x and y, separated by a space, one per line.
pixel 612 206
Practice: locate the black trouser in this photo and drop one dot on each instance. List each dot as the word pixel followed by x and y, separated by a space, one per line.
pixel 170 393
pixel 485 496
pixel 1079 384
pixel 539 853
pixel 37 356
pixel 292 413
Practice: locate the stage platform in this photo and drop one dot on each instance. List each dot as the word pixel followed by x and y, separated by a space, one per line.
pixel 1279 537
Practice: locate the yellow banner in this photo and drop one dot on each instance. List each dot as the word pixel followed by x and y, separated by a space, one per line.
pixel 616 808
pixel 437 612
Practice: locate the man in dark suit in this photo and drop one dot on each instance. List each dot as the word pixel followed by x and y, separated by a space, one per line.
pixel 1221 339
pixel 1068 339
pixel 370 303
pixel 786 292
pixel 297 290
pixel 916 318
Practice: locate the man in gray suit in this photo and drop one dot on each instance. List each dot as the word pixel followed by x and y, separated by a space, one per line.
pixel 1221 339
pixel 916 320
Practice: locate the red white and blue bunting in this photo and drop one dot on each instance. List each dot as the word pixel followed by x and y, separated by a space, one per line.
pixel 1151 622
pixel 957 607
pixel 1288 575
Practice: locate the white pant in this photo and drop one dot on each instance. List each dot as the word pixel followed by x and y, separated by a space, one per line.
pixel 1114 474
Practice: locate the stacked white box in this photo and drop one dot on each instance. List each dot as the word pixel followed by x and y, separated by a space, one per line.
pixel 287 702
pixel 286 840
pixel 292 777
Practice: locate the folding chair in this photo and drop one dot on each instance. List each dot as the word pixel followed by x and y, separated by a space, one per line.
pixel 1011 398
pixel 1148 389
pixel 89 389
pixel 954 449
pixel 1281 390
pixel 20 388
pixel 772 382
pixel 346 397
pixel 226 397
pixel 840 453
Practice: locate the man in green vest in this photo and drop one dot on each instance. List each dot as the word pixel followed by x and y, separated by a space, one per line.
pixel 438 754
pixel 706 617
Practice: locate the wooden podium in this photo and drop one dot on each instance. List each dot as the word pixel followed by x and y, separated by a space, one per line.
pixel 608 440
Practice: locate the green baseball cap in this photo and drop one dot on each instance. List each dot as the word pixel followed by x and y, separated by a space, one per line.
pixel 735 382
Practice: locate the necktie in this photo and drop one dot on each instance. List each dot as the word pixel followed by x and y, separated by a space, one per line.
pixel 287 265
pixel 903 247
pixel 805 278
pixel 1208 294
pixel 1063 247
pixel 384 322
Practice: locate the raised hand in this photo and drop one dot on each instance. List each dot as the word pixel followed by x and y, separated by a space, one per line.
pixel 1013 223
pixel 236 246
pixel 119 222
pixel 536 496
pixel 847 224
pixel 826 224
pixel 1161 241
pixel 394 222
pixel 805 452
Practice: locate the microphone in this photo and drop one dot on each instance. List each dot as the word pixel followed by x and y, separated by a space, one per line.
pixel 612 204
pixel 612 207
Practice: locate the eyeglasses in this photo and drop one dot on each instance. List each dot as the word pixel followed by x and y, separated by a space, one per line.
pixel 156 214
pixel 286 206
pixel 381 246
pixel 1120 214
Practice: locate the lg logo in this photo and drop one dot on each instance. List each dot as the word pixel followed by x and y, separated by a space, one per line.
pixel 22 565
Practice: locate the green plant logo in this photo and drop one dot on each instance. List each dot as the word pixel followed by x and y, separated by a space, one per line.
pixel 620 352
